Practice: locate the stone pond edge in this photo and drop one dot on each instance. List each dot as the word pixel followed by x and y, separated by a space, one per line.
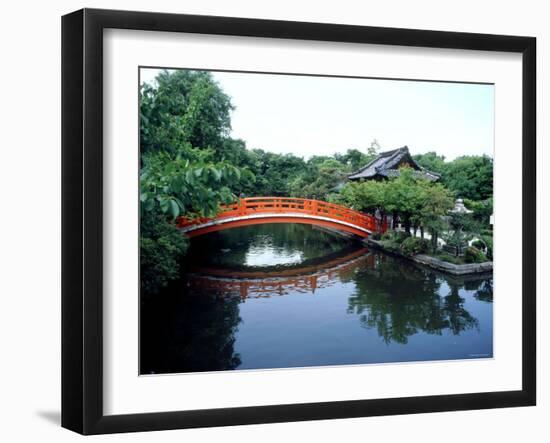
pixel 426 260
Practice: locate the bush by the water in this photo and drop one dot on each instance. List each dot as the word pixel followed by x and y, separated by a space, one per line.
pixel 376 236
pixel 479 244
pixel 488 239
pixel 392 240
pixel 161 247
pixel 395 236
pixel 414 245
pixel 391 246
pixel 474 255
pixel 445 256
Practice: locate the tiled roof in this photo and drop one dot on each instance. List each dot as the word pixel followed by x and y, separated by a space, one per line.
pixel 387 163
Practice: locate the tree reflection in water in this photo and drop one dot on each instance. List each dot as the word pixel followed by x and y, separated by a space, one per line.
pixel 400 299
pixel 484 290
pixel 193 333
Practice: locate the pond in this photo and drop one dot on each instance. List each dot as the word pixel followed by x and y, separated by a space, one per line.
pixel 291 295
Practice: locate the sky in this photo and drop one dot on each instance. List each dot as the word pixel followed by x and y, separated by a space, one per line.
pixel 309 115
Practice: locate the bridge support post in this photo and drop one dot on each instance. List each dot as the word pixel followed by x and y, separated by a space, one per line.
pixel 314 207
pixel 243 290
pixel 242 207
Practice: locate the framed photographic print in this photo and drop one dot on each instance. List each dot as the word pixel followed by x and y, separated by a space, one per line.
pixel 269 221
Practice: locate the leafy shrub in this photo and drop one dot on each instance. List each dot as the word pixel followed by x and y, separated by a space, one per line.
pixel 488 239
pixel 444 256
pixel 474 255
pixel 376 236
pixel 395 236
pixel 414 245
pixel 390 245
pixel 482 209
pixel 161 247
pixel 478 244
pixel 400 236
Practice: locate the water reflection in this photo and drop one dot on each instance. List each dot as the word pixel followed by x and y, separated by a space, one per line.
pixel 400 299
pixel 269 247
pixel 189 334
pixel 297 279
pixel 339 304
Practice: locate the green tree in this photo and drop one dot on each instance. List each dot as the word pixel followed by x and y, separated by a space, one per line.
pixel 418 202
pixel 319 180
pixel 404 196
pixel 462 228
pixel 354 159
pixel 177 187
pixel 483 209
pixel 436 202
pixel 274 173
pixel 365 196
pixel 470 177
pixel 184 125
pixel 432 161
pixel 185 108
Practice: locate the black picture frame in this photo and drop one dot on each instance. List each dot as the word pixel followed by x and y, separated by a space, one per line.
pixel 82 215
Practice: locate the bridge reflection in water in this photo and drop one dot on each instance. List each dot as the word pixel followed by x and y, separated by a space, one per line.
pixel 305 279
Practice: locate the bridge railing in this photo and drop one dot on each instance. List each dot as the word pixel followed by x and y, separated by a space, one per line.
pixel 289 205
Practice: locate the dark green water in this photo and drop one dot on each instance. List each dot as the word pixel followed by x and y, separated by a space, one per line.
pixel 282 295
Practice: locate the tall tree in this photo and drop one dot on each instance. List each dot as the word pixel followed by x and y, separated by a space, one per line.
pixel 432 161
pixel 417 201
pixel 184 125
pixel 185 108
pixel 436 202
pixel 404 196
pixel 470 177
pixel 365 196
pixel 321 180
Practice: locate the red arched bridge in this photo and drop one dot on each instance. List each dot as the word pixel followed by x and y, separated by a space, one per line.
pixel 263 210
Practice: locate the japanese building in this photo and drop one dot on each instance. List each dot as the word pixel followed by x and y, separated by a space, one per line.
pixel 387 164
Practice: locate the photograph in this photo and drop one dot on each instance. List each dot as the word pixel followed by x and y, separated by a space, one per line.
pixel 294 221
